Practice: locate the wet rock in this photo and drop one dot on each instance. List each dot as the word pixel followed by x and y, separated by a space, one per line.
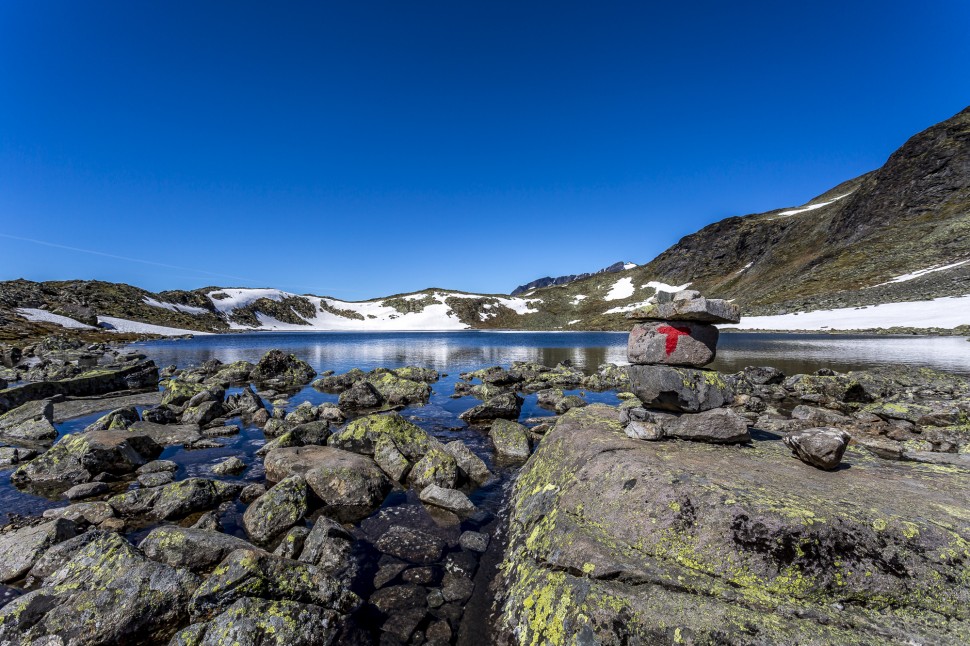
pixel 230 466
pixel 203 413
pixel 463 563
pixel 719 426
pixel 108 593
pixel 209 521
pixel 396 598
pixel 437 467
pixel 177 392
pixel 247 402
pixel 281 369
pixel 569 402
pixel 156 466
pixel 10 455
pixel 31 421
pixel 88 490
pixel 339 383
pixel 687 305
pixel 511 439
pixel 503 406
pixel 161 415
pixel 417 373
pixel 676 343
pixel 254 573
pixel 450 499
pixel 251 492
pixel 77 458
pixel 549 397
pixel 470 465
pixel 157 479
pixel 195 549
pixel 455 587
pixel 121 418
pixel 328 546
pixel 819 447
pixel 283 506
pixel 388 572
pixel 259 622
pixel 409 544
pixel 20 548
pixel 680 389
pixel 403 625
pixel 474 541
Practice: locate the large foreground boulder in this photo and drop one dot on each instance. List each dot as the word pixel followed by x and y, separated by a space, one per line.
pixel 21 548
pixel 686 390
pixel 107 594
pixel 622 541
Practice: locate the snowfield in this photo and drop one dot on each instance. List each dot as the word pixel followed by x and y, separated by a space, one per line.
pixel 173 307
pixel 623 288
pixel 922 272
pixel 43 316
pixel 124 325
pixel 811 207
pixel 947 313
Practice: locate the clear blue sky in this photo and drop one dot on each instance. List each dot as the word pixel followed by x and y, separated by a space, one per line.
pixel 364 148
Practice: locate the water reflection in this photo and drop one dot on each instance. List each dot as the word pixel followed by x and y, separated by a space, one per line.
pixel 455 351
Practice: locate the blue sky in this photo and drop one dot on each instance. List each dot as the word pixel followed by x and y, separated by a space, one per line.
pixel 360 149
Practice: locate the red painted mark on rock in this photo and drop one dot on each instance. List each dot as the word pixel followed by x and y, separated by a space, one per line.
pixel 673 333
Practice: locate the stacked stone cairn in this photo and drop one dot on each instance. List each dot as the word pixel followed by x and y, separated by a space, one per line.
pixel 672 341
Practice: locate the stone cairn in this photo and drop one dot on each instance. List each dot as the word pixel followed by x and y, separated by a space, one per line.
pixel 674 338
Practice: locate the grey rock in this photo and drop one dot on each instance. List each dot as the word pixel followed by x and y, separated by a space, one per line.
pixel 688 305
pixel 450 499
pixel 31 421
pixel 55 558
pixel 570 402
pixel 251 492
pixel 10 455
pixel 456 587
pixel 21 548
pixel 718 426
pixel 120 418
pixel 820 416
pixel 685 390
pixel 195 549
pixel 502 406
pixel 230 466
pixel 648 431
pixel 474 541
pixel 410 544
pixel 389 458
pixel 511 439
pixel 157 466
pixel 328 546
pixel 437 467
pixel 260 622
pixel 283 506
pixel 677 343
pixel 292 544
pixel 92 513
pixel 156 479
pixel 87 490
pixel 472 466
pixel 819 447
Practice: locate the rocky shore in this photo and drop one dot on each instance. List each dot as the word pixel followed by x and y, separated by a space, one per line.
pixel 696 507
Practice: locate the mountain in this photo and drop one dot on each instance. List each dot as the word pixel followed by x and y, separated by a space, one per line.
pixel 562 280
pixel 888 249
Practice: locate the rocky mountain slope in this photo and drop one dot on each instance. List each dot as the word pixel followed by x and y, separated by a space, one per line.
pixel 549 281
pixel 899 235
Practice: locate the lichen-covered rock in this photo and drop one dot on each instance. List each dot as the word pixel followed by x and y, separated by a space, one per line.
pixel 31 421
pixel 569 402
pixel 183 547
pixel 361 435
pixel 398 391
pixel 254 573
pixel 389 458
pixel 361 395
pixel 279 368
pixel 819 447
pixel 608 376
pixel 502 406
pixel 470 465
pixel 259 622
pixel 339 383
pixel 631 542
pixel 237 372
pixel 203 413
pixel 121 418
pixel 437 467
pixel 177 391
pixel 719 426
pixel 107 594
pixel 77 458
pixel 55 557
pixel 229 466
pixel 329 547
pixel 175 500
pixel 246 402
pixel 280 508
pixel 20 548
pixel 511 439
pixel 685 390
pixel 417 373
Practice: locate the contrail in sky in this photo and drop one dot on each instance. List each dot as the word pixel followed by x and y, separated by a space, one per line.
pixel 143 261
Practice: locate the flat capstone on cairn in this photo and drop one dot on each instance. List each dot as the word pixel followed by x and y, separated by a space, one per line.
pixel 674 338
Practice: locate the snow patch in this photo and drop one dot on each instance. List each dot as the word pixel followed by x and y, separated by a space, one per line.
pixel 922 272
pixel 578 297
pixel 236 298
pixel 574 322
pixel 745 268
pixel 43 316
pixel 175 307
pixel 124 325
pixel 623 288
pixel 947 312
pixel 811 207
pixel 630 265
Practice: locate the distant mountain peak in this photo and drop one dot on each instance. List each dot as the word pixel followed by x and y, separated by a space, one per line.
pixel 549 281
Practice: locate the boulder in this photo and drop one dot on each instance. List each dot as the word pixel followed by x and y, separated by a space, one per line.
pixel 511 439
pixel 417 373
pixel 676 343
pixel 411 544
pixel 329 547
pixel 361 435
pixel 608 376
pixel 195 549
pixel 167 434
pixel 339 383
pixel 203 413
pixel 292 543
pixel 361 395
pixel 569 402
pixel 237 372
pixel 502 406
pixel 680 389
pixel 77 458
pixel 450 499
pixel 161 415
pixel 229 466
pixel 10 455
pixel 255 573
pixel 175 500
pixel 86 490
pixel 349 485
pixel 819 447
pixel 470 465
pixel 20 548
pixel 397 391
pixel 108 593
pixel 280 508
pixel 437 467
pixel 177 392
pixel 55 557
pixel 474 541
pixel 687 305
pixel 282 369
pixel 121 418
pixel 246 402
pixel 260 622
pixel 718 426
pixel 31 421
pixel 699 543
pixel 389 458
pixel 137 375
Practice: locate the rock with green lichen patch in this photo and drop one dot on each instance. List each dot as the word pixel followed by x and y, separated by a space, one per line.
pixel 280 508
pixel 259 622
pixel 184 547
pixel 511 439
pixel 687 390
pixel 437 467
